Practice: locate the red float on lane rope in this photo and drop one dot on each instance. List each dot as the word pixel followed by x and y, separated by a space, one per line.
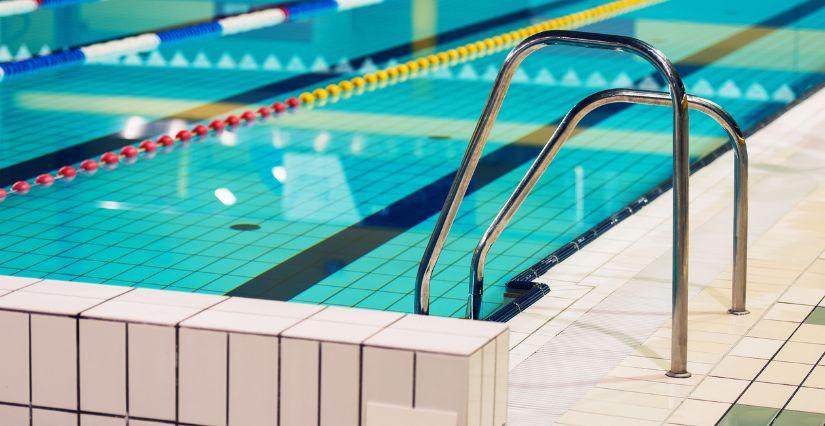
pixel 216 125
pixel 67 172
pixel 166 140
pixel 21 186
pixel 233 120
pixel 88 165
pixel 148 146
pixel 249 116
pixel 3 194
pixel 44 179
pixel 129 151
pixel 200 130
pixel 109 158
pixel 184 135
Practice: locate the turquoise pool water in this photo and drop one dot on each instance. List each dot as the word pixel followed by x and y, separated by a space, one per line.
pixel 343 197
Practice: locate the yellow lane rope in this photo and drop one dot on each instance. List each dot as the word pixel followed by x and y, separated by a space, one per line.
pixel 465 53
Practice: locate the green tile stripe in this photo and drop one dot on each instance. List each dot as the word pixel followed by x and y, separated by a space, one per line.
pixel 749 415
pixel 817 317
pixel 741 414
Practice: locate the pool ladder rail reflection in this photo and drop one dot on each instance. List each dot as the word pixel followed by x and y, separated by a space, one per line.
pixel 677 98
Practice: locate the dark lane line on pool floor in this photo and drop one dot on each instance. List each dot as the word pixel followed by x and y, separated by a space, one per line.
pixel 97 146
pixel 298 273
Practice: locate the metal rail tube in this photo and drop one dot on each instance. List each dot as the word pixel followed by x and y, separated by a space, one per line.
pixel 560 136
pixel 681 169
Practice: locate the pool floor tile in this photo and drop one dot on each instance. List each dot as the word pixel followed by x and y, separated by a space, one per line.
pixel 808 399
pixel 799 418
pixel 767 395
pixel 817 316
pixel 747 415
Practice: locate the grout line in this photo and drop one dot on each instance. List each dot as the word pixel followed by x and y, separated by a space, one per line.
pixel 126 335
pixel 177 373
pixel 320 373
pixel 77 364
pixel 227 377
pixel 31 396
pixel 414 371
pixel 361 384
pixel 279 339
pixel 813 367
pixel 769 360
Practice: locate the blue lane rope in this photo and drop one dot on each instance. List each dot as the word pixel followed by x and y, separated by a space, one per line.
pixel 267 16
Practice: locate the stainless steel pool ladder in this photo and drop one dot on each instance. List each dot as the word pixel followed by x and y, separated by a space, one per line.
pixel 681 171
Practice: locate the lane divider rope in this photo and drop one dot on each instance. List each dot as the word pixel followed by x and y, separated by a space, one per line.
pixel 333 92
pixel 19 7
pixel 267 16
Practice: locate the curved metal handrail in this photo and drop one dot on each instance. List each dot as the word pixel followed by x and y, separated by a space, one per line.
pixel 681 168
pixel 563 133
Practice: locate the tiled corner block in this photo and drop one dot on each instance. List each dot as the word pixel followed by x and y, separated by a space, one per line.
pixel 440 365
pixel 41 322
pixel 102 354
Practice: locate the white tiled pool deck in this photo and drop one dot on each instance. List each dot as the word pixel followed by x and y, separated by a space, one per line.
pixel 594 351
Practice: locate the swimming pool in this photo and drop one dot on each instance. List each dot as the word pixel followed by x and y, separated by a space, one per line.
pixel 333 204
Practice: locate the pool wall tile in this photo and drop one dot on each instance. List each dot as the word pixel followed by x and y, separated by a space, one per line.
pixel 92 420
pixel 450 383
pixel 340 384
pixel 14 415
pixel 444 325
pixel 54 361
pixel 70 288
pixel 239 322
pixel 14 357
pixel 299 381
pixel 152 360
pixel 44 303
pixel 502 378
pixel 103 366
pixel 386 414
pixel 487 385
pixel 253 364
pixel 133 422
pixel 10 283
pixel 202 381
pixel 267 307
pixel 387 377
pixel 53 418
pixel 358 316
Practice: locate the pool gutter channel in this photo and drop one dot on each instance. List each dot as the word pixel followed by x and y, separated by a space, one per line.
pixel 533 291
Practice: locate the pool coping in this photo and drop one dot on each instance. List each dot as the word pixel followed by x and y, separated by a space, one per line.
pixel 78 352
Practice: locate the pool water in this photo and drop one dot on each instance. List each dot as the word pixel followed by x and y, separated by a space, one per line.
pixel 334 205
